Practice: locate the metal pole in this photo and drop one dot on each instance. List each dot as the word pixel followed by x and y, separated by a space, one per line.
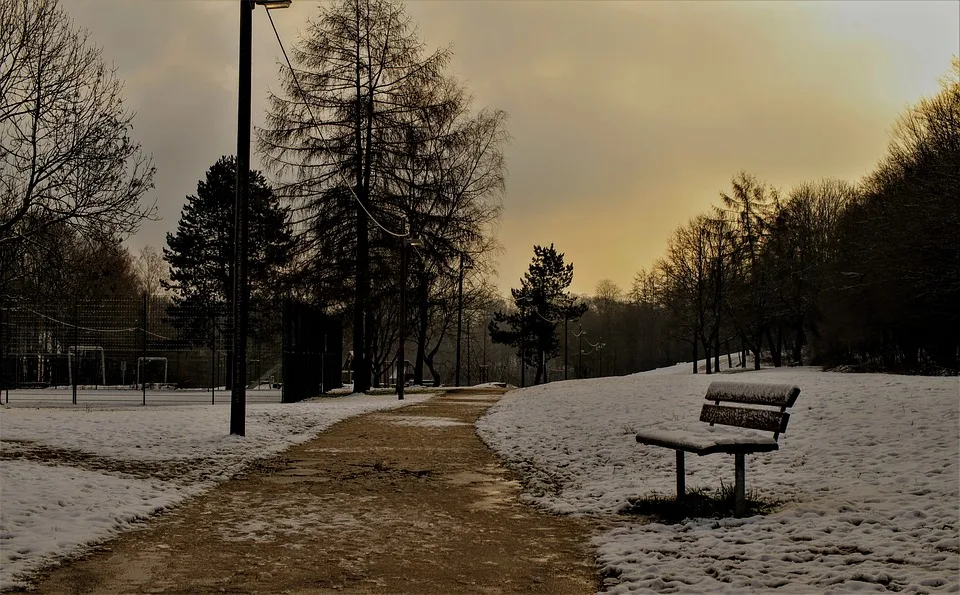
pixel 459 316
pixel 238 392
pixel 3 358
pixel 580 349
pixel 523 362
pixel 469 383
pixel 483 375
pixel 566 338
pixel 543 365
pixel 323 364
pixel 213 360
pixel 143 353
pixel 600 357
pixel 739 482
pixel 74 364
pixel 401 357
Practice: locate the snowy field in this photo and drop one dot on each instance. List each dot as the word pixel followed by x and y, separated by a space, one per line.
pixel 868 472
pixel 85 472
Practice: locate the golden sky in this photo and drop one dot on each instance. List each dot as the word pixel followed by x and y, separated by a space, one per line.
pixel 627 118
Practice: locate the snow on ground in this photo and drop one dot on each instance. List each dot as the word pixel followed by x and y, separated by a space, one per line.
pixel 129 397
pixel 84 473
pixel 868 472
pixel 425 422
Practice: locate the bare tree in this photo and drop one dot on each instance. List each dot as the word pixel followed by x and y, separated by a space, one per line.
pixel 608 300
pixel 151 271
pixel 685 270
pixel 753 203
pixel 804 245
pixel 66 156
pixel 448 181
pixel 899 270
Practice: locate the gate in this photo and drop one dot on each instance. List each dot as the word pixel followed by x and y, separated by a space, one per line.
pixel 312 351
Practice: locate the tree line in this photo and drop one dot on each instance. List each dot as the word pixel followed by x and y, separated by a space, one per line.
pixel 861 276
pixel 372 142
pixel 829 273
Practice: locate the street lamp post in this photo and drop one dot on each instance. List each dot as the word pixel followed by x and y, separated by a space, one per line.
pixel 579 335
pixel 401 357
pixel 241 219
pixel 523 362
pixel 469 320
pixel 600 358
pixel 524 299
pixel 463 267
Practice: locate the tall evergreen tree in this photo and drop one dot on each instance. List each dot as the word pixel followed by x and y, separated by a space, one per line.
pixel 359 67
pixel 201 251
pixel 542 303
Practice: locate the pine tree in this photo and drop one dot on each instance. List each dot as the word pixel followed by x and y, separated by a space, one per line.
pixel 201 251
pixel 542 303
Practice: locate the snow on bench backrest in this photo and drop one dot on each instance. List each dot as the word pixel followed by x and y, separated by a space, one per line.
pixel 743 417
pixel 775 395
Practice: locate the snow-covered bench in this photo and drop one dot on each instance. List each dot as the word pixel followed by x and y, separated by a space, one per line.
pixel 738 443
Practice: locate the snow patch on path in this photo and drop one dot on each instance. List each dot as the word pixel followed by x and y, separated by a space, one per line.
pixel 49 509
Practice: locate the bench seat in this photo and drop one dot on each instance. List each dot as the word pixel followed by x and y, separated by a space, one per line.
pixel 705 443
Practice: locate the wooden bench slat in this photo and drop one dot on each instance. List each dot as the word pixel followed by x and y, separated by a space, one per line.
pixel 704 444
pixel 755 419
pixel 777 395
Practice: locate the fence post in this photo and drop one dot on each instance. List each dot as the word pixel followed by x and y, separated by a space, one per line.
pixel 143 352
pixel 213 360
pixel 3 358
pixel 74 363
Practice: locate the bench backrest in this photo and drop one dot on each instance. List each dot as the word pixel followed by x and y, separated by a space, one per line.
pixel 781 396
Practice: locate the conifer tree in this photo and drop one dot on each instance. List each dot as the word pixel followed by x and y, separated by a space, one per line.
pixel 200 252
pixel 542 303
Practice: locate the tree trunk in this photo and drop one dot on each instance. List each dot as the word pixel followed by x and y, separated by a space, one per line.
pixel 361 375
pixel 706 353
pixel 775 346
pixel 798 341
pixel 695 366
pixel 428 360
pixel 716 352
pixel 423 318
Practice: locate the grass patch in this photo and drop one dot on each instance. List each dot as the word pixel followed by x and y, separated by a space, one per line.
pixel 697 503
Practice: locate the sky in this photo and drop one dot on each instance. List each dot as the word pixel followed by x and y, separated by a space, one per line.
pixel 626 118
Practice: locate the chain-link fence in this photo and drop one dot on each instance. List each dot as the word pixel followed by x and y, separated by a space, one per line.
pixel 148 343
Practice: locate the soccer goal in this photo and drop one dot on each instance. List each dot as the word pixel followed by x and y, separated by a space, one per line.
pixel 141 366
pixel 79 351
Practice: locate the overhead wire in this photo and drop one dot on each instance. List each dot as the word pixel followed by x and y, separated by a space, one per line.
pixel 313 121
pixel 86 328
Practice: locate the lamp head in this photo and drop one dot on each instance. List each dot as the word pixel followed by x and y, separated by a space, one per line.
pixel 272 4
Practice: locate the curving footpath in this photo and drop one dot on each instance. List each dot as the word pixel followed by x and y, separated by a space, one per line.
pixel 406 501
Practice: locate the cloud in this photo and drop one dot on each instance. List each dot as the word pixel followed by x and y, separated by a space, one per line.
pixel 627 118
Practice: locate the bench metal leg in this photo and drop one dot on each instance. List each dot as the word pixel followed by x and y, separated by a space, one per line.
pixel 740 505
pixel 681 486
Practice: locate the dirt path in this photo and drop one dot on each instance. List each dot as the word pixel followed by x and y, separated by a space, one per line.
pixel 407 501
